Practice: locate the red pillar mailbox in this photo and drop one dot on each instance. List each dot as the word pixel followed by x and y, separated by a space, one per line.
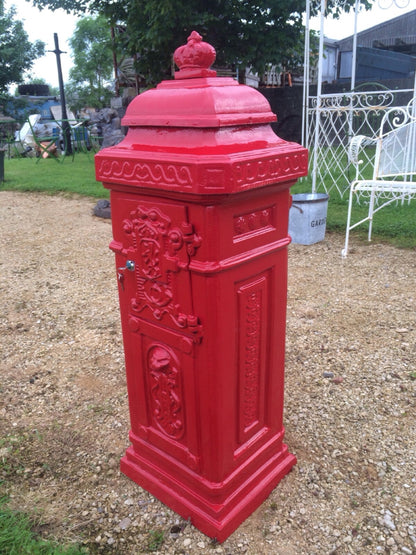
pixel 200 201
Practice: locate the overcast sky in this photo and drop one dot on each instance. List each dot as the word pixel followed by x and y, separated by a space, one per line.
pixel 382 11
pixel 43 24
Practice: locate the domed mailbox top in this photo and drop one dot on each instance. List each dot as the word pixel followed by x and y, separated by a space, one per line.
pixel 197 98
pixel 201 131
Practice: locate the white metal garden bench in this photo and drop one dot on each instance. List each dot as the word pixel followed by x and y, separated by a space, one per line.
pixel 394 166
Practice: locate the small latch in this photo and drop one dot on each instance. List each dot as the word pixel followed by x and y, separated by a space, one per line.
pixel 130 265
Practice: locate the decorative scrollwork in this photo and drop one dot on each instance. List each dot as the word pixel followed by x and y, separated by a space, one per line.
pixel 397 117
pixel 146 173
pixel 354 100
pixel 161 249
pixel 165 391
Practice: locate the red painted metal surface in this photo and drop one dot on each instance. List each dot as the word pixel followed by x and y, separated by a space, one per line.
pixel 200 194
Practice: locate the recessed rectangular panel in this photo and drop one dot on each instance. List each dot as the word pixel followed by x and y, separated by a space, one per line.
pixel 253 302
pixel 253 223
pixel 169 418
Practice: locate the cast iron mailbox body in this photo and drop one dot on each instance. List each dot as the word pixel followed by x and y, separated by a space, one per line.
pixel 200 200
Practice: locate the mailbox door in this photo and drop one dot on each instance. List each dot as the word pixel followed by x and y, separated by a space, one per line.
pixel 159 240
pixel 154 242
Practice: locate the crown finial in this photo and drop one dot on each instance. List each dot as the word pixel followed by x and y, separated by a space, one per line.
pixel 195 58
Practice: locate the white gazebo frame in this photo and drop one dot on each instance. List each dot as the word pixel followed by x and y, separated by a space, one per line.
pixel 328 119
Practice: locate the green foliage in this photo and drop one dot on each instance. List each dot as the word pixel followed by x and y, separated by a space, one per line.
pixel 18 538
pixel 244 33
pixel 93 64
pixel 17 53
pixel 334 7
pixel 156 539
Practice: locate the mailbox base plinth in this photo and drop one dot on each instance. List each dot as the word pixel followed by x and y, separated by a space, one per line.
pixel 216 509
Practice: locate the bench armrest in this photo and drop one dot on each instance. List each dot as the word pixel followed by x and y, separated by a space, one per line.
pixel 356 144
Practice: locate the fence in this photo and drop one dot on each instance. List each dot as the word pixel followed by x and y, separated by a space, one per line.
pixel 332 119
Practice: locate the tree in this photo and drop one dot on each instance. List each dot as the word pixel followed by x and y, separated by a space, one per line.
pixel 243 32
pixel 17 53
pixel 92 71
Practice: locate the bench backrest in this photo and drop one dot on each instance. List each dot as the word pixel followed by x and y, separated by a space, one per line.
pixel 396 148
pixel 397 154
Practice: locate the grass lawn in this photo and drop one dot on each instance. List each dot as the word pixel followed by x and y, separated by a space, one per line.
pixel 395 224
pixel 18 536
pixel 49 176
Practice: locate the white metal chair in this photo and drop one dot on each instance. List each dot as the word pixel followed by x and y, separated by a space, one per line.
pixel 394 167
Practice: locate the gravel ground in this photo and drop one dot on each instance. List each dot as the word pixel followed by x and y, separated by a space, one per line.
pixel 349 411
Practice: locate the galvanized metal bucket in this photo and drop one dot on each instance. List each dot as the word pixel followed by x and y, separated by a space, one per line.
pixel 307 218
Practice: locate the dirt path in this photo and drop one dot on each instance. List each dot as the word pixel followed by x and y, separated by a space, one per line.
pixel 350 395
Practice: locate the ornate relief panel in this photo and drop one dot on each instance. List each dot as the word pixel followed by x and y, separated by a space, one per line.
pixel 165 391
pixel 253 222
pixel 161 243
pixel 253 301
pixel 168 416
pixel 284 166
pixel 148 173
